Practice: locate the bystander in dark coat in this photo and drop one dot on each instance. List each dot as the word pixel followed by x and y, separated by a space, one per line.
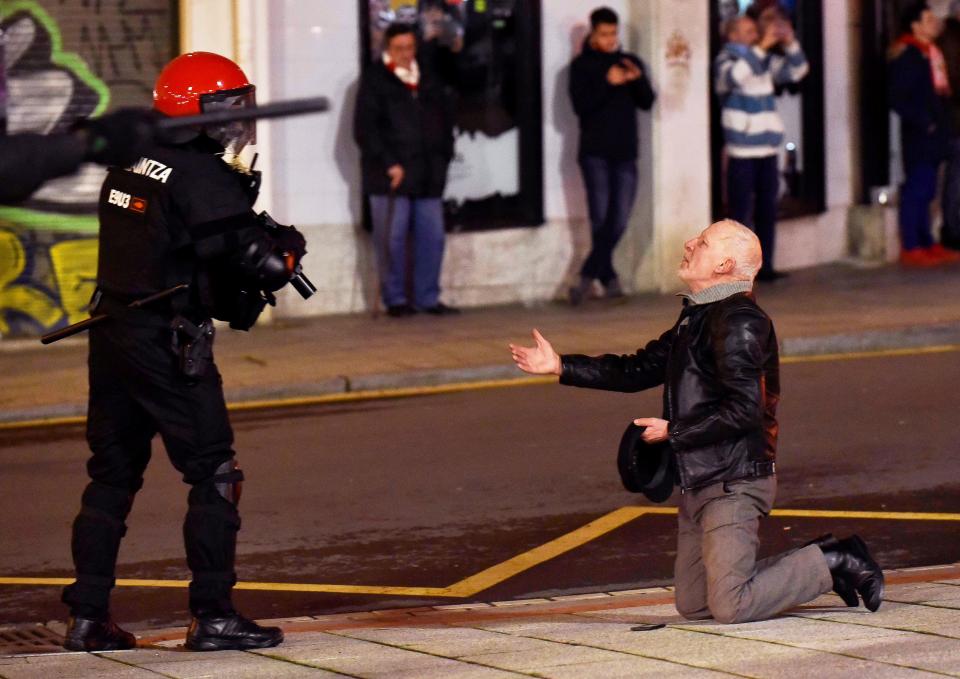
pixel 395 125
pixel 919 91
pixel 608 113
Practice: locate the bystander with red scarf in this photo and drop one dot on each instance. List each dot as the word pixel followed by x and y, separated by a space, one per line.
pixel 404 127
pixel 919 87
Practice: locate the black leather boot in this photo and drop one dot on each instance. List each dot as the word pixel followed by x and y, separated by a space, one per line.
pixel 842 588
pixel 230 632
pixel 850 562
pixel 86 634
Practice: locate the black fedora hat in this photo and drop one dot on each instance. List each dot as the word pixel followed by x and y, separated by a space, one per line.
pixel 646 468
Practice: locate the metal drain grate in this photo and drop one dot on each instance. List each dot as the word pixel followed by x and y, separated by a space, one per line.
pixel 31 638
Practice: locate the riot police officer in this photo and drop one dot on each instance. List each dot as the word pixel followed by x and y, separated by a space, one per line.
pixel 178 215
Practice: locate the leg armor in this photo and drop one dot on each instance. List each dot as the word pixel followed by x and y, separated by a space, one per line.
pixel 210 535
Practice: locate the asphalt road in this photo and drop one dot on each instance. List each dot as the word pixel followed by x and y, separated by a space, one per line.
pixel 423 492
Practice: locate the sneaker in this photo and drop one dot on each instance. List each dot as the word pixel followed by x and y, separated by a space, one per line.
pixel 86 634
pixel 918 257
pixel 943 254
pixel 441 309
pixel 230 632
pixel 581 291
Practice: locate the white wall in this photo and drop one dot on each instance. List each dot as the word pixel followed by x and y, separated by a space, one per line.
pixel 295 48
pixel 313 48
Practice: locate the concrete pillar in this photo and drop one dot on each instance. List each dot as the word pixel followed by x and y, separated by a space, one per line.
pixel 208 26
pixel 673 38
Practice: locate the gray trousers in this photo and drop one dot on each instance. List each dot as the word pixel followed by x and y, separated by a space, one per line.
pixel 717 573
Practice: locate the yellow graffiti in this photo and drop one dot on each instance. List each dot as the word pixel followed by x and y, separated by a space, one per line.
pixel 75 270
pixel 22 298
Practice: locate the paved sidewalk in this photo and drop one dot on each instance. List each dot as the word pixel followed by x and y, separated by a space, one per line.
pixel 824 310
pixel 916 633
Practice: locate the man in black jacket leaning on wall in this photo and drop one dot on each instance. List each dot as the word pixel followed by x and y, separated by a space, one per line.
pixel 607 86
pixel 720 370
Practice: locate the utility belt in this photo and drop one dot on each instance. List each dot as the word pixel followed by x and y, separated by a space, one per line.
pixel 191 339
pixel 156 315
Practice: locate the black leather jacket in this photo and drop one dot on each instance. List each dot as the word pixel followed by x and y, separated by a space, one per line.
pixel 719 366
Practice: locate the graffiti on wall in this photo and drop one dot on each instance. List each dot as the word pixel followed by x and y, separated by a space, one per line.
pixel 61 61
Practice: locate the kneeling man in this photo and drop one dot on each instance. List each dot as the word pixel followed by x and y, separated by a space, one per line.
pixel 719 367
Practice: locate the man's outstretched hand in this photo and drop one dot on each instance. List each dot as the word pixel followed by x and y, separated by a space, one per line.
pixel 537 360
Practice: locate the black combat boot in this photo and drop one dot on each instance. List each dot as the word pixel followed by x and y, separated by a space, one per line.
pixel 230 632
pixel 88 634
pixel 842 588
pixel 850 562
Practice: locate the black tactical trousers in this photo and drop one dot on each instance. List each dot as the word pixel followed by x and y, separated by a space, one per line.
pixel 137 391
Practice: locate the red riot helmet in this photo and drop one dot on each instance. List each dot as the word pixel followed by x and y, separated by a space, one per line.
pixel 199 82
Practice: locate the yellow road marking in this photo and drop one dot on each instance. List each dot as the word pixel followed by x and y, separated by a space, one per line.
pixel 504 571
pixel 510 568
pixel 456 387
pixel 256 586
pixel 839 514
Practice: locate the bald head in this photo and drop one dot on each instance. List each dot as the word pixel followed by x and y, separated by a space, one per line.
pixel 724 252
pixel 742 246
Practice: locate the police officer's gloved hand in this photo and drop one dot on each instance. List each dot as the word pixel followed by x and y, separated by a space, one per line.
pixel 119 138
pixel 288 239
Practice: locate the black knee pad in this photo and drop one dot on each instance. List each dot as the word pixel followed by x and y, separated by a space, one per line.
pixel 226 483
pixel 215 498
pixel 228 480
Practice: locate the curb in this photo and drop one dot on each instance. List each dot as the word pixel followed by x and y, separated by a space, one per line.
pixel 941 337
pixel 908 337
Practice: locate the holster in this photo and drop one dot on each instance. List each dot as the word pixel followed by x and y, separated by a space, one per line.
pixel 193 345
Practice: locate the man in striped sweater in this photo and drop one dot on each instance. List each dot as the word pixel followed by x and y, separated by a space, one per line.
pixel 754 60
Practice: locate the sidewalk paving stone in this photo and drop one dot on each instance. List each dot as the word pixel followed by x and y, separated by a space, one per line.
pixel 629 668
pixel 452 642
pixel 545 656
pixel 356 657
pixel 72 666
pixel 232 664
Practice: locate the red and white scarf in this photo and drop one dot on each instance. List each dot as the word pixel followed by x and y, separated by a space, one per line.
pixel 408 76
pixel 938 66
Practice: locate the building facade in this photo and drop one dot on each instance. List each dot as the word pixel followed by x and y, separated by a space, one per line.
pixel 300 48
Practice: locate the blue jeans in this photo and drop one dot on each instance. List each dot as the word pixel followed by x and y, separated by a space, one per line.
pixel 392 225
pixel 916 193
pixel 611 189
pixel 753 187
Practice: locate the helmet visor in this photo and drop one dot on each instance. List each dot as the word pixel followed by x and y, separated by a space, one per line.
pixel 236 135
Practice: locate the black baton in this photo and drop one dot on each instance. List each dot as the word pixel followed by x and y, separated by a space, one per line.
pixel 280 109
pixel 88 323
